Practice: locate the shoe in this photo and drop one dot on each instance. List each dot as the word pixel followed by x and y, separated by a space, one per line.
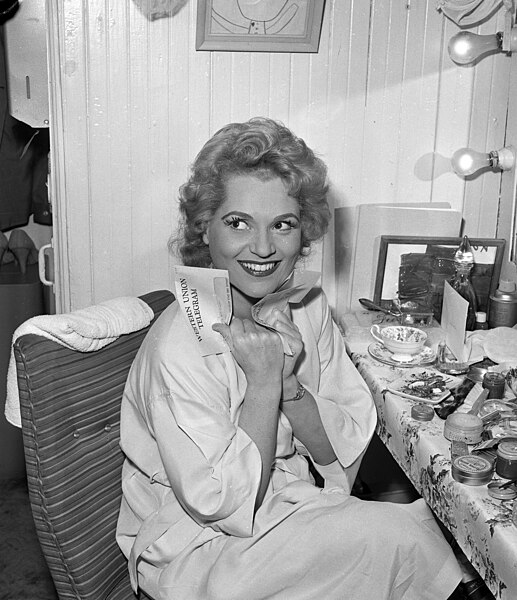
pixel 5 255
pixel 23 248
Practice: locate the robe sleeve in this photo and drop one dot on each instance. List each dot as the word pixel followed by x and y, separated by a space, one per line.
pixel 344 401
pixel 212 465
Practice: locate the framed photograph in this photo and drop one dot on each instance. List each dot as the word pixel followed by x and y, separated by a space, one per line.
pixel 412 268
pixel 259 25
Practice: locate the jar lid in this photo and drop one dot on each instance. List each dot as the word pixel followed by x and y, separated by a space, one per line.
pixel 422 412
pixel 464 422
pixel 472 470
pixel 472 466
pixel 507 448
pixel 500 493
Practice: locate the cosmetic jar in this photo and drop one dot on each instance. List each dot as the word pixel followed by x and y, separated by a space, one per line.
pixel 495 384
pixel 422 412
pixel 463 427
pixel 472 470
pixel 506 461
pixel 500 493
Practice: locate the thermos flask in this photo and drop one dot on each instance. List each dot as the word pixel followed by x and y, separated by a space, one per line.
pixel 502 310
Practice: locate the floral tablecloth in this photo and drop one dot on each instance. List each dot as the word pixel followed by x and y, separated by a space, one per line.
pixel 481 525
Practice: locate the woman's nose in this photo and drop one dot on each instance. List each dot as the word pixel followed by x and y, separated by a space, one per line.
pixel 262 244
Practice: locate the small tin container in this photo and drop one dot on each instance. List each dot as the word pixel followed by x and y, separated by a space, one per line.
pixel 501 493
pixel 422 412
pixel 495 384
pixel 463 427
pixel 506 462
pixel 472 470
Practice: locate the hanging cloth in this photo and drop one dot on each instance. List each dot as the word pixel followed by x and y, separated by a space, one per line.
pixel 467 13
pixel 23 166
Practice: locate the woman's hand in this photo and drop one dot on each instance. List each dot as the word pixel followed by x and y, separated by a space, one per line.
pixel 257 350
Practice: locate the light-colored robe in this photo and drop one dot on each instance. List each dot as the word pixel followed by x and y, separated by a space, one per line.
pixel 187 521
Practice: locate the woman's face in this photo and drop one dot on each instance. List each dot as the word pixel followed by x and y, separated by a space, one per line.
pixel 255 234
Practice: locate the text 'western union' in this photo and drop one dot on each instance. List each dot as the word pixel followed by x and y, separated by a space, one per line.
pixel 191 305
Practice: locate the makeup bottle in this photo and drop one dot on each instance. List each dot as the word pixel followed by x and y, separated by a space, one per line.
pixel 463 264
pixel 481 322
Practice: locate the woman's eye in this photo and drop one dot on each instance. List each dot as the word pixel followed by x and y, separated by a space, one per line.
pixel 236 223
pixel 284 225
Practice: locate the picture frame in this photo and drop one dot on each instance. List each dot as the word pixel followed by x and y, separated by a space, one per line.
pixel 414 267
pixel 259 25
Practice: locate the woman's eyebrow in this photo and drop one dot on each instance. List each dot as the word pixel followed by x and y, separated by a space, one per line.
pixel 287 216
pixel 237 213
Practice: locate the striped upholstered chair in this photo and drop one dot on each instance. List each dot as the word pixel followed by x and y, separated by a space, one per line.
pixel 70 405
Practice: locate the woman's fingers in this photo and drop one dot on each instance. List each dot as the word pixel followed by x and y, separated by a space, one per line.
pixel 225 332
pixel 244 332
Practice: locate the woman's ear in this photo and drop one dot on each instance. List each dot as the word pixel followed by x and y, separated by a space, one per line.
pixel 205 236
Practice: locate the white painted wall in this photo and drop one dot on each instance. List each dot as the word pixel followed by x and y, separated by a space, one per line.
pixel 132 103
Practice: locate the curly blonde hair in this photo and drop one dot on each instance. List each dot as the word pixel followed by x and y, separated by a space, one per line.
pixel 264 149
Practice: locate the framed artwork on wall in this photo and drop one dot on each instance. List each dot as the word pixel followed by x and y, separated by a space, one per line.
pixel 412 268
pixel 259 25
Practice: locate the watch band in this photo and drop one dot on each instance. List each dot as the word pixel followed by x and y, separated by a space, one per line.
pixel 300 393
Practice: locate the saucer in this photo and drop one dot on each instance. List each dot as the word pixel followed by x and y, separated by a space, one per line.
pixel 383 355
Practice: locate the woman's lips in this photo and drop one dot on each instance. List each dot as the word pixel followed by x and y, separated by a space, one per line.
pixel 259 269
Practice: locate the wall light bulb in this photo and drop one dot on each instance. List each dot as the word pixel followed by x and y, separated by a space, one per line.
pixel 466 161
pixel 466 47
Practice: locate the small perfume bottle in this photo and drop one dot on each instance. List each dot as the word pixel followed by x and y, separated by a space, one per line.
pixel 481 322
pixel 463 263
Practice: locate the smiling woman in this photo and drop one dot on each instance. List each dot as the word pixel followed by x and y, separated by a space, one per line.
pixel 218 500
pixel 255 235
pixel 265 150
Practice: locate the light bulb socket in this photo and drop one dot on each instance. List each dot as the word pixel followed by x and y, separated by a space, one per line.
pixel 512 40
pixel 509 40
pixel 493 157
pixel 504 158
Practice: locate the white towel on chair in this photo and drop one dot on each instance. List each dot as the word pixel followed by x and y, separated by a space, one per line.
pixel 85 330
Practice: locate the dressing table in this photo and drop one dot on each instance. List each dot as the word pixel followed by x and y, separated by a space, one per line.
pixel 481 525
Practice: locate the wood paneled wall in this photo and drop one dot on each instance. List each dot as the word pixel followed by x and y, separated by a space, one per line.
pixel 132 103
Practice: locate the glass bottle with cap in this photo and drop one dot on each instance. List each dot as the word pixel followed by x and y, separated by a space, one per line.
pixel 481 322
pixel 463 264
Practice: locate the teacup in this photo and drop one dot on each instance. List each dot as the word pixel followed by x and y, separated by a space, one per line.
pixel 511 379
pixel 402 341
